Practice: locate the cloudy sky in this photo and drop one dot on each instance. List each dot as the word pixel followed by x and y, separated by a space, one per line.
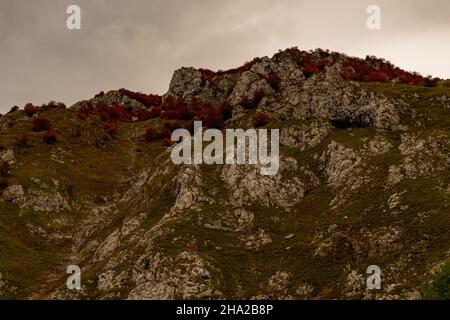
pixel 138 44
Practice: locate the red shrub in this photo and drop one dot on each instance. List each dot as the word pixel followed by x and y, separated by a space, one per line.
pixel 155 112
pixel 148 100
pixel 377 76
pixel 248 103
pixel 4 183
pixel 214 119
pixel 143 115
pixel 110 127
pixel 49 137
pixel 373 69
pixel 251 103
pixel 310 69
pixel 259 95
pixel 260 120
pixel 167 142
pixel 31 110
pixel 23 139
pixel 226 110
pixel 41 124
pixel 274 81
pixel 84 111
pixel 150 134
pixel 114 112
pixel 5 169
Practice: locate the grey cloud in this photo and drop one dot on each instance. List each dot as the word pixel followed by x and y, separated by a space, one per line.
pixel 138 44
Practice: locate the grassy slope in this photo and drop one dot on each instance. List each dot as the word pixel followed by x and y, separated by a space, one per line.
pixel 99 170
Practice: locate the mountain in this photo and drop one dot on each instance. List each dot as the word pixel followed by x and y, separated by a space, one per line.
pixel 364 180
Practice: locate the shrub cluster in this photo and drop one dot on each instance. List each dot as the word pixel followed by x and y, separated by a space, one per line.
pixel 41 124
pixel 260 120
pixel 250 103
pixel 373 69
pixel 148 100
pixel 23 139
pixel 49 137
pixel 5 169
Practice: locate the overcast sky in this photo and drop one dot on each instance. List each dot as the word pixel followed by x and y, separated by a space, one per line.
pixel 138 44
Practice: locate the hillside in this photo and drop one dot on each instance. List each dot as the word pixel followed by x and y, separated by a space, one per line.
pixel 364 180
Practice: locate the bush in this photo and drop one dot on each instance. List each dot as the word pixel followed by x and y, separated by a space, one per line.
pixel 148 100
pixel 143 115
pixel 30 110
pixel 309 70
pixel 214 119
pixel 251 103
pixel 4 183
pixel 110 127
pixel 84 111
pixel 49 137
pixel 260 120
pixel 41 124
pixel 274 81
pixel 167 142
pixel 431 82
pixel 439 287
pixel 114 112
pixel 373 69
pixel 226 110
pixel 23 139
pixel 155 112
pixel 150 134
pixel 5 169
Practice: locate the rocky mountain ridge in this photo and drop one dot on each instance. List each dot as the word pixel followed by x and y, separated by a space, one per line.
pixel 364 180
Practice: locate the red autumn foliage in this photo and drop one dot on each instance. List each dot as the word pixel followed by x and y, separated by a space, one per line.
pixel 167 142
pixel 84 111
pixel 251 103
pixel 259 95
pixel 260 120
pixel 214 119
pixel 30 110
pixel 155 112
pixel 4 183
pixel 175 108
pixel 5 169
pixel 148 100
pixel 373 69
pixel 226 110
pixel 110 127
pixel 23 139
pixel 150 134
pixel 41 124
pixel 114 112
pixel 143 115
pixel 208 75
pixel 274 81
pixel 49 137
